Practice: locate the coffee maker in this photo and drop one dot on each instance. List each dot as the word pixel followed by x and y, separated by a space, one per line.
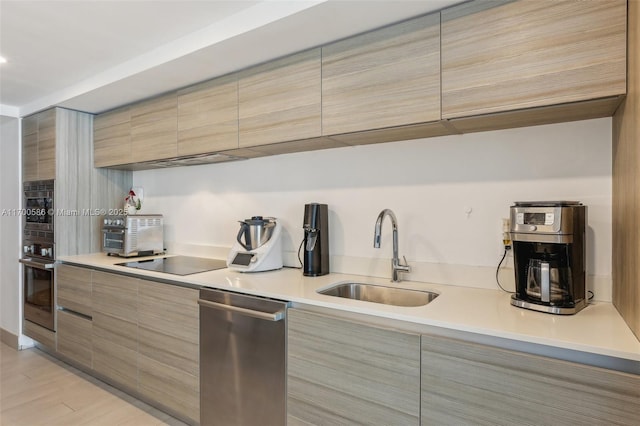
pixel 549 256
pixel 316 240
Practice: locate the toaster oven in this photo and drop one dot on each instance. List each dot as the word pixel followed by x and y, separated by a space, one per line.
pixel 133 235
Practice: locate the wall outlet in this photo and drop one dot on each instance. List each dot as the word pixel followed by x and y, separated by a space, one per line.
pixel 506 236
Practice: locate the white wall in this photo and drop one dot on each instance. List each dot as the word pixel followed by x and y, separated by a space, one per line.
pixel 10 290
pixel 429 184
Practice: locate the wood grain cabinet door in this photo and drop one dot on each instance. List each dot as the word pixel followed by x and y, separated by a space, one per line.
pixel 508 55
pixel 280 100
pixel 208 116
pixel 168 346
pixel 39 146
pixel 47 144
pixel 73 289
pixel 154 128
pixel 346 372
pixel 115 328
pixel 470 384
pixel 112 138
pixel 383 78
pixel 30 148
pixel 74 338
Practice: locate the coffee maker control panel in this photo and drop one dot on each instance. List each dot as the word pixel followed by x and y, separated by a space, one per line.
pixel 536 219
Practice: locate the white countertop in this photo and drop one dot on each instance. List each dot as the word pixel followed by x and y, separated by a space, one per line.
pixel 597 329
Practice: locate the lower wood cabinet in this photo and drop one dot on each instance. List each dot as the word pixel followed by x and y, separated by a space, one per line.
pixel 115 328
pixel 74 326
pixel 168 347
pixel 467 383
pixel 41 335
pixel 145 340
pixel 73 338
pixel 73 289
pixel 346 372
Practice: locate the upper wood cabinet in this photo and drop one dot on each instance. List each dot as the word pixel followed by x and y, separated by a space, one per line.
pixel 383 78
pixel 112 138
pixel 500 56
pixel 30 148
pixel 47 144
pixel 280 100
pixel 154 128
pixel 39 146
pixel 482 65
pixel 208 116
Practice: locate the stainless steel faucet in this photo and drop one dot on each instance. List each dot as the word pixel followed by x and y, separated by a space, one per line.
pixel 396 267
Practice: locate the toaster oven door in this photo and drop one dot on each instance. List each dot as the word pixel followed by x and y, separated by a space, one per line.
pixel 113 240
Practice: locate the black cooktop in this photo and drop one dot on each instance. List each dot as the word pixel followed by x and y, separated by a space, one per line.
pixel 177 265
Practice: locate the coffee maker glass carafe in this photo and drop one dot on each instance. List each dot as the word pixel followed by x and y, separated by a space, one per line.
pixel 547 280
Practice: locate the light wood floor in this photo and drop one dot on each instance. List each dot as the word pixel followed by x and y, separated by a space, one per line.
pixel 36 389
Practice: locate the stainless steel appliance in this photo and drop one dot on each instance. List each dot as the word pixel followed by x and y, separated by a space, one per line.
pixel 133 235
pixel 258 246
pixel 316 240
pixel 549 256
pixel 38 254
pixel 242 359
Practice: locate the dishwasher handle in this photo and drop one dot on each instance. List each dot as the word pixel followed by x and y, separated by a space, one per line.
pixel 276 316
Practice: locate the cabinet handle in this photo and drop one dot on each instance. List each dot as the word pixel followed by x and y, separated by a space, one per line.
pixel 276 316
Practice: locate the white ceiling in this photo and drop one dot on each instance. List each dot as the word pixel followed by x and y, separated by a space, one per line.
pixel 96 55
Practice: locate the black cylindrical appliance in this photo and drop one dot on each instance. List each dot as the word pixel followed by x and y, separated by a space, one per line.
pixel 316 240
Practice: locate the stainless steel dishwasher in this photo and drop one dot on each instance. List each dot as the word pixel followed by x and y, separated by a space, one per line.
pixel 242 359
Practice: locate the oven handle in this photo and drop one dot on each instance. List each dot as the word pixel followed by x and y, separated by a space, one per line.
pixel 37 265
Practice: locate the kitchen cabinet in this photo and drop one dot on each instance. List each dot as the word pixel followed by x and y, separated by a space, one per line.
pixel 478 66
pixel 384 78
pixel 47 144
pixel 41 335
pixel 115 328
pixel 73 289
pixel 73 338
pixel 625 272
pixel 342 371
pixel 280 101
pixel 168 351
pixel 39 146
pixel 469 383
pixel 74 326
pixel 154 128
pixel 141 336
pixel 506 56
pixel 112 138
pixel 208 116
pixel 30 148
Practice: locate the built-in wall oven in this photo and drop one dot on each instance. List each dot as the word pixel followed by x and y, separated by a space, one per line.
pixel 38 254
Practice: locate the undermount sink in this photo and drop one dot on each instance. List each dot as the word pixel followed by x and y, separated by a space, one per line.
pixel 380 294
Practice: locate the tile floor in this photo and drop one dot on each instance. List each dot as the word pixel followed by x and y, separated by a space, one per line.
pixel 37 389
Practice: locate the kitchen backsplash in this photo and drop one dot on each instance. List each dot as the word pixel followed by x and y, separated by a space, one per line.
pixel 448 193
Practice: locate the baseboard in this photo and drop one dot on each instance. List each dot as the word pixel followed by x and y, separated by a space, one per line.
pixel 9 338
